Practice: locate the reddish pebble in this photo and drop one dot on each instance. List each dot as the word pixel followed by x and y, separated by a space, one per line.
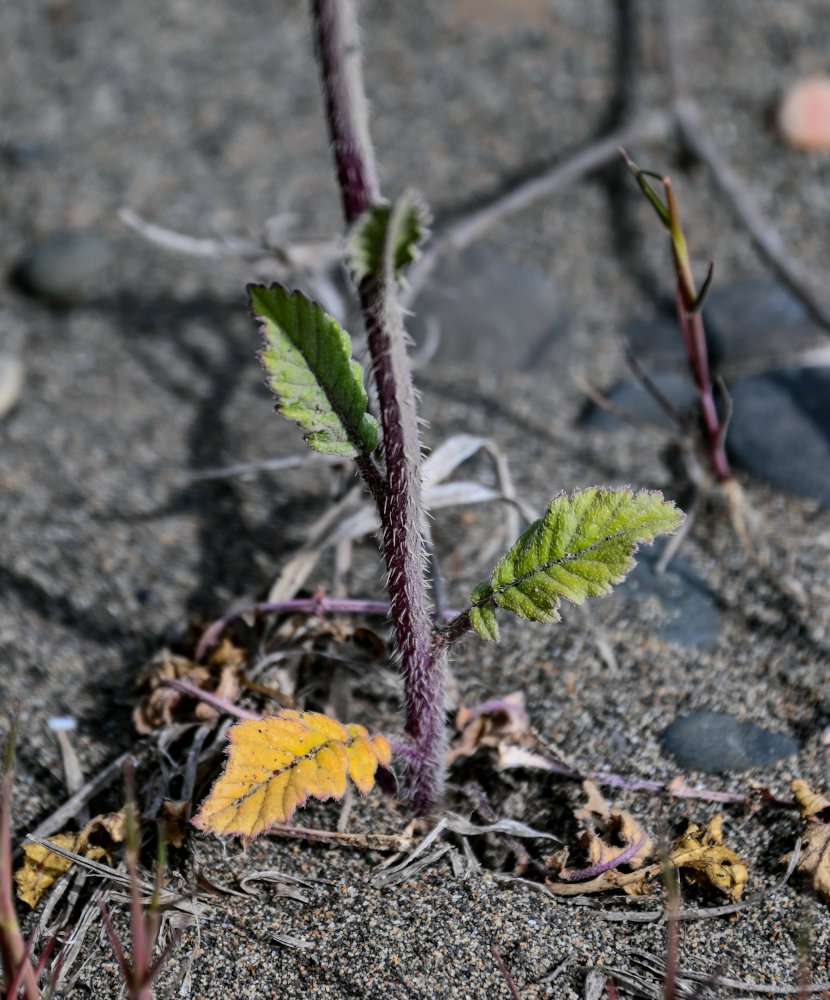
pixel 804 115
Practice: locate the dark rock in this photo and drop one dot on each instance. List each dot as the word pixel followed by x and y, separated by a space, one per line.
pixel 657 344
pixel 691 614
pixel 713 742
pixel 757 321
pixel 64 268
pixel 492 311
pixel 780 430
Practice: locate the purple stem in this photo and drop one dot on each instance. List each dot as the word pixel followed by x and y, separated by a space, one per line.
pixel 583 874
pixel 694 338
pixel 317 605
pixel 220 704
pixel 400 507
pixel 310 605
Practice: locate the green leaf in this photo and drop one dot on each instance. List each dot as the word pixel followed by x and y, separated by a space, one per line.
pixel 307 356
pixel 582 546
pixel 483 615
pixel 396 230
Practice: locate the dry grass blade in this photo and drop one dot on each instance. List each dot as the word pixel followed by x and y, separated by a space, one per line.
pixel 688 977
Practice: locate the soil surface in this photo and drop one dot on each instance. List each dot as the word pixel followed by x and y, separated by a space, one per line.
pixel 205 117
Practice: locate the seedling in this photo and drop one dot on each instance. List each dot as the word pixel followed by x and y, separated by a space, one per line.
pixel 579 548
pixel 688 302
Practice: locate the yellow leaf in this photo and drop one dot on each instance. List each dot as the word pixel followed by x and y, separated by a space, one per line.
pixel 703 856
pixel 699 853
pixel 809 802
pixel 41 867
pixel 275 764
pixel 814 857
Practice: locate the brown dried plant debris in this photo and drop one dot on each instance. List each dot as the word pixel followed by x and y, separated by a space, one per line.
pixel 613 838
pixel 814 857
pixel 41 867
pixel 499 723
pixel 161 705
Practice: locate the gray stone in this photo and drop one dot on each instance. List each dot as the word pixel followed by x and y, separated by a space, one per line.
pixel 491 311
pixel 64 268
pixel 780 430
pixel 713 742
pixel 691 617
pixel 657 344
pixel 756 321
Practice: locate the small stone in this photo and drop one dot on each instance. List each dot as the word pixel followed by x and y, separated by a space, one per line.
pixel 757 322
pixel 657 343
pixel 691 615
pixel 492 310
pixel 64 268
pixel 11 381
pixel 713 742
pixel 780 430
pixel 804 115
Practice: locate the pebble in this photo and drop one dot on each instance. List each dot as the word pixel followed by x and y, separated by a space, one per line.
pixel 11 381
pixel 756 323
pixel 64 268
pixel 780 430
pixel 492 311
pixel 713 742
pixel 804 115
pixel 691 615
pixel 780 426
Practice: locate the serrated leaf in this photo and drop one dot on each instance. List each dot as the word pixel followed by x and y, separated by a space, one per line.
pixel 275 764
pixel 581 547
pixel 483 615
pixel 397 230
pixel 307 356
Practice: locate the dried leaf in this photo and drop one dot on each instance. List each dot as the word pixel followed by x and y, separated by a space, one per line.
pixel 161 705
pixel 809 803
pixel 814 857
pixel 699 853
pixel 41 867
pixel 275 764
pixel 596 809
pixel 175 820
pixel 622 827
pixel 491 724
pixel 703 857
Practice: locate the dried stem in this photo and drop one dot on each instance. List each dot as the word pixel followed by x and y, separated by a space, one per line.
pixel 400 506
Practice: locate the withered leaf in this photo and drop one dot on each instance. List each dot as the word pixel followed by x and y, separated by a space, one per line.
pixel 814 857
pixel 699 853
pixel 161 705
pixel 702 855
pixel 494 723
pixel 41 867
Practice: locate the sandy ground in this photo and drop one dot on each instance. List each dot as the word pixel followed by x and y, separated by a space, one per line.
pixel 205 117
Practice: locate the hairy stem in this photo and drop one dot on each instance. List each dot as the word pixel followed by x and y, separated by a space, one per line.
pixel 401 506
